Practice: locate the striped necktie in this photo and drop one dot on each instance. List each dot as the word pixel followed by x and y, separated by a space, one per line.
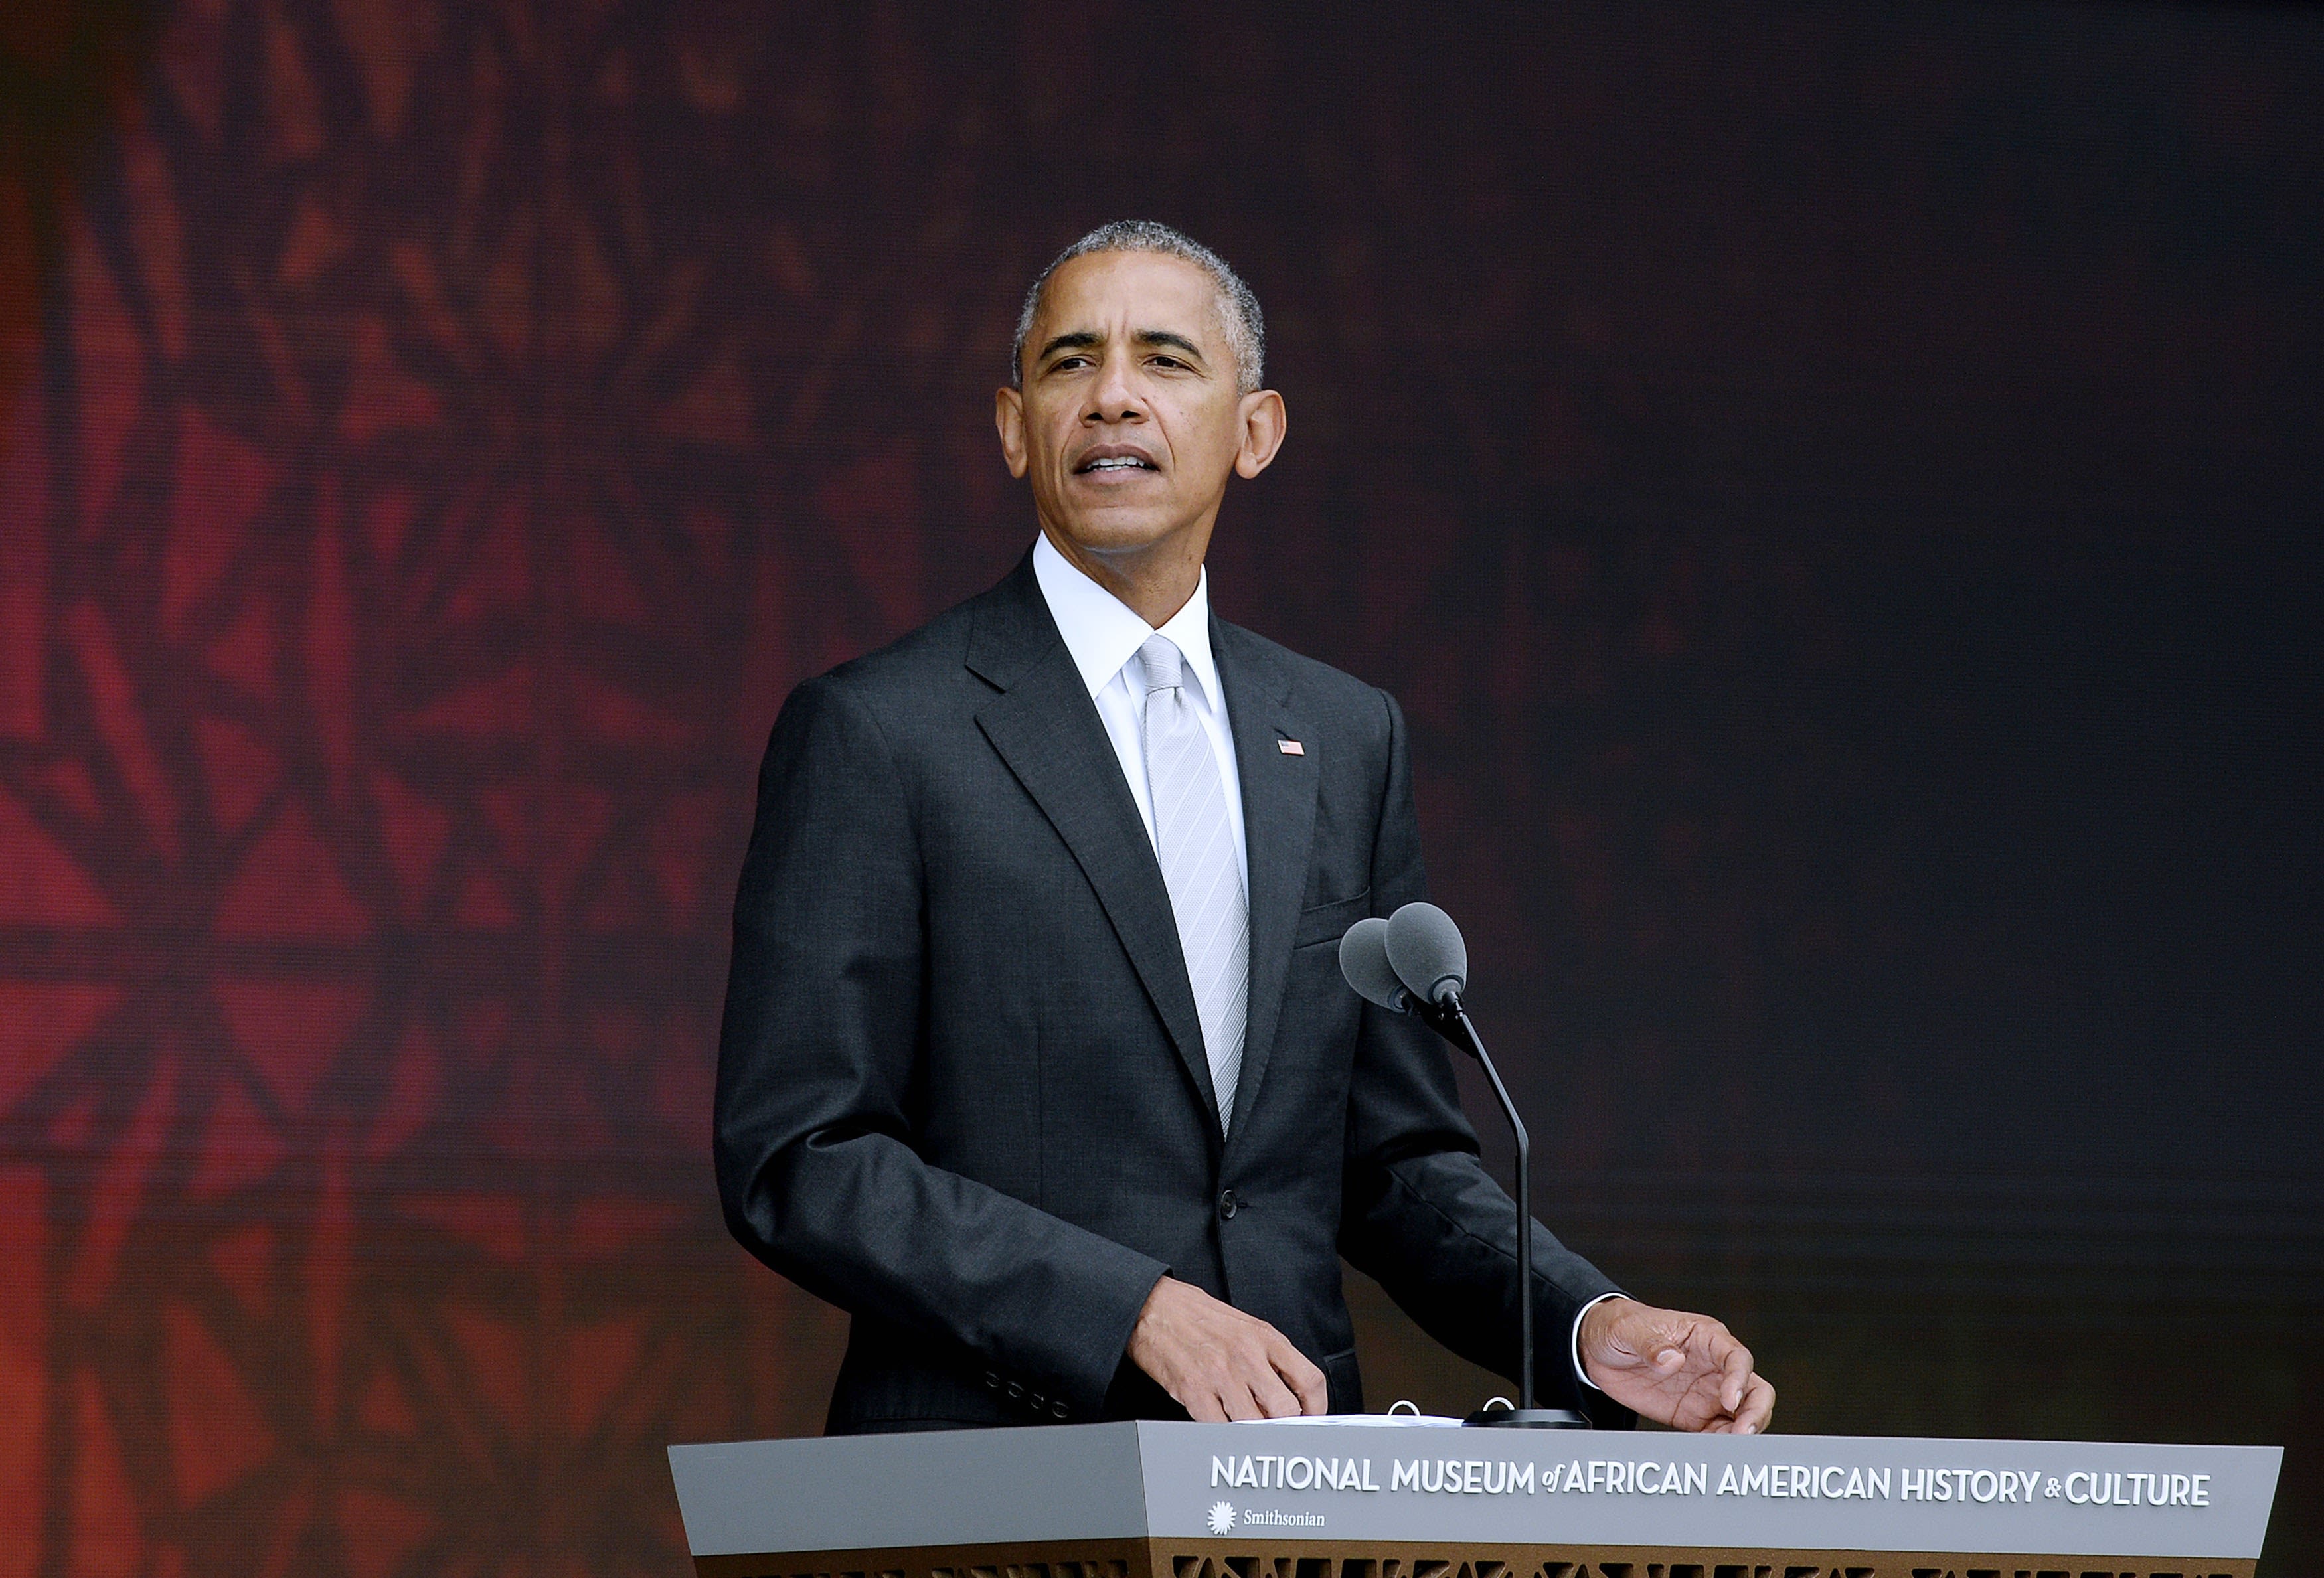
pixel 1196 848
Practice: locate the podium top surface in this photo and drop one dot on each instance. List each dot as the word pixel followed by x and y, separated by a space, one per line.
pixel 1340 1481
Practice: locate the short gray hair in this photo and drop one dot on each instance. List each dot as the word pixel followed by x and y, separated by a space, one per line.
pixel 1238 314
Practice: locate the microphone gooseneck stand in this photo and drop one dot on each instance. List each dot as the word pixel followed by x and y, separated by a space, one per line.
pixel 1414 963
pixel 1451 1020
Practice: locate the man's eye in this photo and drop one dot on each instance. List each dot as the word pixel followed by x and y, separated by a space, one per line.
pixel 1067 364
pixel 1167 361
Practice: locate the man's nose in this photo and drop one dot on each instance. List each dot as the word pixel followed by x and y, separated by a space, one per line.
pixel 1116 397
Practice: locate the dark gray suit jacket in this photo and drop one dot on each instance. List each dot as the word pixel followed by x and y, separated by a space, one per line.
pixel 962 1089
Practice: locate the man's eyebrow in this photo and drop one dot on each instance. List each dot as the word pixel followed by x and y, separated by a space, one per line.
pixel 1162 337
pixel 1080 340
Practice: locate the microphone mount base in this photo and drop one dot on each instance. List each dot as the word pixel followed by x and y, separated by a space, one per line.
pixel 1528 1419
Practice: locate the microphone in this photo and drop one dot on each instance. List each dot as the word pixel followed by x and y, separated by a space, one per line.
pixel 1428 955
pixel 1415 962
pixel 1363 960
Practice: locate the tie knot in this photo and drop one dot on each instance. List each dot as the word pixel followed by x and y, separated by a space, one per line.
pixel 1162 663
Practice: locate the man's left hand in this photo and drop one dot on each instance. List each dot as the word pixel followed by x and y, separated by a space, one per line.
pixel 1685 1371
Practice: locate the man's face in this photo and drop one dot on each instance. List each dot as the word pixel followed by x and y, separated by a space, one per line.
pixel 1130 419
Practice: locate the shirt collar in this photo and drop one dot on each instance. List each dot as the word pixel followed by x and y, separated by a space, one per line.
pixel 1102 633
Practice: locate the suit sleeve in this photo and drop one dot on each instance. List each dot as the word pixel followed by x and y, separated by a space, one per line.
pixel 816 1168
pixel 1421 1215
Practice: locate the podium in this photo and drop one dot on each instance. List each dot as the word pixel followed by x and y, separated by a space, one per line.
pixel 1367 1499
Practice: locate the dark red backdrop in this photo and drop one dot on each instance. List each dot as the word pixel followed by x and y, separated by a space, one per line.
pixel 1836 490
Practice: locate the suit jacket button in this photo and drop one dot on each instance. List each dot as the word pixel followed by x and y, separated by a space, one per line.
pixel 1016 1391
pixel 992 1380
pixel 1227 1204
pixel 1059 1409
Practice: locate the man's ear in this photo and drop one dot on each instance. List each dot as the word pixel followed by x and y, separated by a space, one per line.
pixel 1264 423
pixel 1009 417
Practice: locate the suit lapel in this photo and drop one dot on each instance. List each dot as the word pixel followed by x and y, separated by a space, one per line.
pixel 1279 818
pixel 1047 732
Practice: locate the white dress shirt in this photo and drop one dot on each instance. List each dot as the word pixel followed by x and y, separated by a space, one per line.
pixel 1103 635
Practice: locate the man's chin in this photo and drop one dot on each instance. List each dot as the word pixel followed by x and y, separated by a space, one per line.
pixel 1110 530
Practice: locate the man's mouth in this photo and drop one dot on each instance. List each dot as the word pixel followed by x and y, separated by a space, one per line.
pixel 1104 462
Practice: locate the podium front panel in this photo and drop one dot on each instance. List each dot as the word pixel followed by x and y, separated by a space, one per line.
pixel 1323 1500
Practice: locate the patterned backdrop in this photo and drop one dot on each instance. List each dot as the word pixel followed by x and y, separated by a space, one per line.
pixel 1837 490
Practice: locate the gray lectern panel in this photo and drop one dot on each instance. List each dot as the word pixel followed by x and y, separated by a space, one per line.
pixel 940 1487
pixel 1625 1488
pixel 1343 1485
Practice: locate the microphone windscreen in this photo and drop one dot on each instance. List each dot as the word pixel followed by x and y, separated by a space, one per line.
pixel 1425 950
pixel 1363 960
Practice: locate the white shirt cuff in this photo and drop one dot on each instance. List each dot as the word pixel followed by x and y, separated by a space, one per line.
pixel 1580 1374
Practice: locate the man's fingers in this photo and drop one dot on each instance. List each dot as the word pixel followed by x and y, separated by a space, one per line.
pixel 1203 1409
pixel 1241 1405
pixel 1249 1381
pixel 1274 1399
pixel 1736 1368
pixel 1758 1407
pixel 1315 1394
pixel 1300 1373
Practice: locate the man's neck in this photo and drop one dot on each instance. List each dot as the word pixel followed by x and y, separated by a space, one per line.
pixel 1152 582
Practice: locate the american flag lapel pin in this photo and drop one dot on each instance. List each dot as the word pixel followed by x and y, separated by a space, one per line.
pixel 1291 747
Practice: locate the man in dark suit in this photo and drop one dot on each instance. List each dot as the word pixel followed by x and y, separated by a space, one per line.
pixel 1037 1058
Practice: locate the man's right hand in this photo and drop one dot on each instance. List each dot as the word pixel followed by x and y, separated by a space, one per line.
pixel 1219 1362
